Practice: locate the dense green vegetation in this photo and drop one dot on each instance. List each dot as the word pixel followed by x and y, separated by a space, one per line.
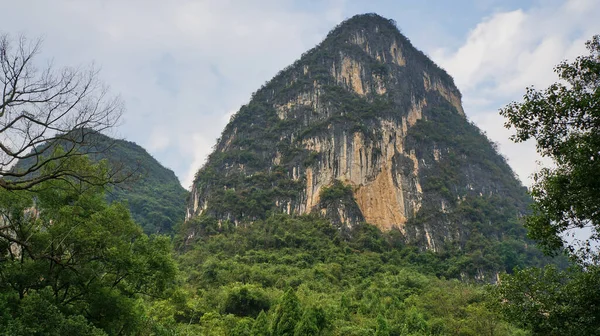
pixel 564 121
pixel 76 265
pixel 299 276
pixel 71 264
pixel 153 193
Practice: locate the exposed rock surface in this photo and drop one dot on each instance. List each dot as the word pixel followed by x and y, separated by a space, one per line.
pixel 364 112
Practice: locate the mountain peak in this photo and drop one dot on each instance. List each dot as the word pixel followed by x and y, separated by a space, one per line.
pixel 371 30
pixel 362 128
pixel 365 21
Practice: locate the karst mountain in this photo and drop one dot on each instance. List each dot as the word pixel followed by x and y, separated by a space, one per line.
pixel 362 128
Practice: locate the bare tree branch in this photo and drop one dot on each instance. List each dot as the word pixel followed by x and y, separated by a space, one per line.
pixel 41 109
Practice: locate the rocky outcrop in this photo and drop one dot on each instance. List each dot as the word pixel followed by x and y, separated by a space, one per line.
pixel 351 115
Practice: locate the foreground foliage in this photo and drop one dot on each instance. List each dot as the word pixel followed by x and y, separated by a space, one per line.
pixel 73 264
pixel 70 264
pixel 552 302
pixel 564 120
pixel 298 276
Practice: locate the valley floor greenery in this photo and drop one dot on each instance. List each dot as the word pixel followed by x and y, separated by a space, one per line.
pixel 72 264
pixel 300 276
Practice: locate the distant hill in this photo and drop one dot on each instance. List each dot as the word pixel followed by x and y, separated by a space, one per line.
pixel 155 197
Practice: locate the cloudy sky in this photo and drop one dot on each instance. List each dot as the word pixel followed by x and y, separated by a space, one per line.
pixel 184 66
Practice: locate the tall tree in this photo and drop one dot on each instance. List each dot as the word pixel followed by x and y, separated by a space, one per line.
pixel 382 327
pixel 308 324
pixel 64 248
pixel 549 302
pixel 43 107
pixel 564 120
pixel 287 315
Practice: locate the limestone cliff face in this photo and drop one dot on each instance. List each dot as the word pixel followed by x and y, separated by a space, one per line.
pixel 345 123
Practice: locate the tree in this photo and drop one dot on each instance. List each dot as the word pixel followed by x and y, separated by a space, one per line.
pixel 312 322
pixel 86 261
pixel 36 314
pixel 548 301
pixel 245 300
pixel 382 327
pixel 564 121
pixel 43 108
pixel 261 325
pixel 287 315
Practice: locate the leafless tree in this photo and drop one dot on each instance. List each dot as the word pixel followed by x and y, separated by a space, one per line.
pixel 44 107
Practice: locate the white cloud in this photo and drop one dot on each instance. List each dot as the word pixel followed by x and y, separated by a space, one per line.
pixel 486 50
pixel 509 51
pixel 181 65
pixel 184 65
pixel 198 149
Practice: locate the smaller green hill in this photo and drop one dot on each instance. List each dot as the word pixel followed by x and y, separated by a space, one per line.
pixel 153 193
pixel 155 197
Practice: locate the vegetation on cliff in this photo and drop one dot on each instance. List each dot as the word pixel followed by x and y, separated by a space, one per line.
pixel 313 100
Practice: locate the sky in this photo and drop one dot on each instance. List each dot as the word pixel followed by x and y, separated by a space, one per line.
pixel 183 67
